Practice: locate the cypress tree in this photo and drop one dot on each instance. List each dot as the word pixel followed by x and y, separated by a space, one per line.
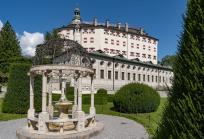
pixel 9 44
pixel 183 115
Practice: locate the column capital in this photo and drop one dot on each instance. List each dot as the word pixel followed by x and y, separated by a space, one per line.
pixel 32 74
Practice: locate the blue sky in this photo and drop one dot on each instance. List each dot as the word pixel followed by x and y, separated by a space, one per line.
pixel 31 18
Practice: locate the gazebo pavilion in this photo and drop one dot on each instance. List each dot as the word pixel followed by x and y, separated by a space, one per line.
pixel 63 58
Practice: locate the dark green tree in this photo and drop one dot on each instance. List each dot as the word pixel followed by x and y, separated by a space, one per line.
pixel 9 44
pixel 183 115
pixel 53 35
pixel 48 36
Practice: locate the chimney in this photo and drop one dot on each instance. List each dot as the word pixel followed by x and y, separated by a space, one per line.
pixel 141 30
pixel 126 27
pixel 107 23
pixel 119 23
pixel 95 21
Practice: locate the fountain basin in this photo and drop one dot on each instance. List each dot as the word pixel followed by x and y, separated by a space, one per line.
pixel 63 108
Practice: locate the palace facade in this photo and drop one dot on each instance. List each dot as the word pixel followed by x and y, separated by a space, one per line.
pixel 120 54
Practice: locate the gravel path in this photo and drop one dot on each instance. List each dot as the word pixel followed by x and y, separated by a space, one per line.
pixel 114 128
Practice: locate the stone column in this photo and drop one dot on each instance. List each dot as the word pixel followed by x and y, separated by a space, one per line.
pixel 50 107
pixel 74 107
pixel 31 111
pixel 44 115
pixel 80 115
pixel 92 108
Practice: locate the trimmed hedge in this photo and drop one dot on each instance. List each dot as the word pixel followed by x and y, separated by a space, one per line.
pixel 136 96
pixel 5 63
pixel 18 91
pixel 102 92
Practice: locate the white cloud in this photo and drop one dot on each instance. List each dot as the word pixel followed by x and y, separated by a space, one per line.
pixel 28 42
pixel 1 24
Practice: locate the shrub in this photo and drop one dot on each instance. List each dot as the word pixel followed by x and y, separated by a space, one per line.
pixel 110 97
pixel 18 91
pixel 70 91
pixel 137 96
pixel 102 92
pixel 97 100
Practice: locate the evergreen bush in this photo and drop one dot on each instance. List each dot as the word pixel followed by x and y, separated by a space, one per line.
pixel 137 96
pixel 18 91
pixel 97 100
pixel 110 97
pixel 183 116
pixel 102 92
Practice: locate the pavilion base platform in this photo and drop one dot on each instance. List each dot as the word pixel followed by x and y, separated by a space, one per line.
pixel 70 133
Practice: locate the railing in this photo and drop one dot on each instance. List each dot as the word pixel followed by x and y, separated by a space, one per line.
pixel 98 23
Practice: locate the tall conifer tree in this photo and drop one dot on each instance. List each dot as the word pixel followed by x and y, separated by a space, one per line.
pixel 9 44
pixel 183 115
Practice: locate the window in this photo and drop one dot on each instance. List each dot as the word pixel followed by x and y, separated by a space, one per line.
pixel 123 76
pixel 166 80
pixel 156 78
pixel 130 36
pixel 132 45
pixel 91 40
pixel 137 54
pixel 92 30
pixel 111 51
pixel 68 31
pixel 123 53
pixel 159 78
pixel 112 41
pixel 105 31
pixel 116 75
pixel 143 47
pixel 137 46
pixel 155 57
pixel 124 44
pixel 85 40
pixel 148 78
pixel 163 80
pixel 102 74
pixel 139 78
pixel 106 40
pixel 149 48
pixel 118 34
pixel 143 77
pixel 152 78
pixel 133 76
pixel 144 39
pixel 149 56
pixel 109 74
pixel 154 49
pixel 117 42
pixel 143 55
pixel 95 71
pixel 106 50
pixel 118 52
pixel 132 54
pixel 111 32
pixel 85 30
pixel 123 35
pixel 128 76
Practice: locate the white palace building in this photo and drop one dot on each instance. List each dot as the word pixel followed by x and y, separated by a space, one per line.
pixel 120 54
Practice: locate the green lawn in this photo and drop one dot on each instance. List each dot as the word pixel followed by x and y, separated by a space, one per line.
pixel 108 109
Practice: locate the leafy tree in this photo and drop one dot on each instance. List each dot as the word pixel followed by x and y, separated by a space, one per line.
pixel 168 60
pixel 53 35
pixel 9 44
pixel 48 36
pixel 183 115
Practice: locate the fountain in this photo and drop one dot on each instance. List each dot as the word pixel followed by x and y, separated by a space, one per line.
pixel 46 125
